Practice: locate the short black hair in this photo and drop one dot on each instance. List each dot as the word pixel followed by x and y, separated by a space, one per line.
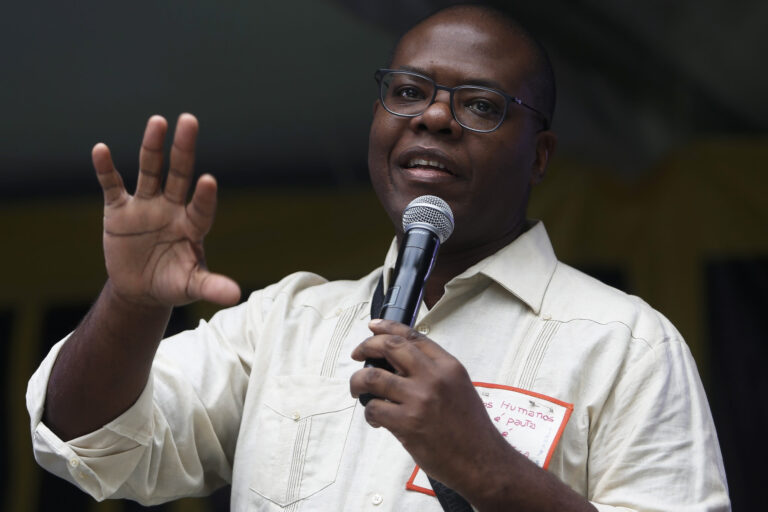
pixel 542 76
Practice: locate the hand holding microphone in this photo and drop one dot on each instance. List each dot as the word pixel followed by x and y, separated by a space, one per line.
pixel 427 222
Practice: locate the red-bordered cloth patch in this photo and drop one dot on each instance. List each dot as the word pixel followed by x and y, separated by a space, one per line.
pixel 531 422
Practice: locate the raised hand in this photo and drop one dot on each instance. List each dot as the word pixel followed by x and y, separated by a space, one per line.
pixel 153 247
pixel 153 240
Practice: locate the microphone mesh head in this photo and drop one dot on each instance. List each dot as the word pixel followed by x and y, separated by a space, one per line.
pixel 429 212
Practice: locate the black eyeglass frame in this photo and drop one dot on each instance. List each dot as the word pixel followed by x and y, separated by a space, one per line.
pixel 380 73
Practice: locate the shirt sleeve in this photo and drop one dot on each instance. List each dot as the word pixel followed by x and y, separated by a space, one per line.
pixel 178 438
pixel 654 445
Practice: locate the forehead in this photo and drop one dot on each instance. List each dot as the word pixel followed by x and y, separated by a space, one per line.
pixel 455 52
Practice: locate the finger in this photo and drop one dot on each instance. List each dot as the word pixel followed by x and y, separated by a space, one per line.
pixel 202 208
pixel 381 326
pixel 403 355
pixel 215 288
pixel 380 383
pixel 151 157
pixel 426 345
pixel 182 162
pixel 380 413
pixel 109 179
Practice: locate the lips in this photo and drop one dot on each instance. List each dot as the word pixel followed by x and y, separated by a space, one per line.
pixel 427 161
pixel 421 162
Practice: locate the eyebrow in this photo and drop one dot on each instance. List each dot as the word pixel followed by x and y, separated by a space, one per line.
pixel 473 81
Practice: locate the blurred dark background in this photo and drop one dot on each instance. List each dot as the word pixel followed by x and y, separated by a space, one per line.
pixel 658 186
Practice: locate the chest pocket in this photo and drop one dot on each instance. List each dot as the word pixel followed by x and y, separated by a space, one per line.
pixel 302 426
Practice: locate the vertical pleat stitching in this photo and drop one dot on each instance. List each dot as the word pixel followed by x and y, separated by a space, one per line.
pixel 343 326
pixel 297 460
pixel 539 349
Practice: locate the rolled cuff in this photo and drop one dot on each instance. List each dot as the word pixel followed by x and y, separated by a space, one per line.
pixel 118 445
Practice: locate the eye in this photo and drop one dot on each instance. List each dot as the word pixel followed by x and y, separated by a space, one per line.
pixel 409 92
pixel 482 107
pixel 479 103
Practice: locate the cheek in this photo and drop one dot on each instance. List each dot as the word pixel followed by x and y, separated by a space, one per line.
pixel 381 138
pixel 378 162
pixel 515 165
pixel 503 183
pixel 377 155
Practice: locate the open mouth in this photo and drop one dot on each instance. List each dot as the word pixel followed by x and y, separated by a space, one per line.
pixel 426 164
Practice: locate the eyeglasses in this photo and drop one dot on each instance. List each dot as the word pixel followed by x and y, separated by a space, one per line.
pixel 476 108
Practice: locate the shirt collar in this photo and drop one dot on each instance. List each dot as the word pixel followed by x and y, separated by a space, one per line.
pixel 524 267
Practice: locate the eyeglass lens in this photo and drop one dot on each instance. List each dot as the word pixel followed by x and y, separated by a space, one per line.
pixel 410 95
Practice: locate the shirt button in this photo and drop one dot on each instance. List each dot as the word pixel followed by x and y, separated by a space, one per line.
pixel 547 316
pixel 377 499
pixel 423 329
pixel 74 463
pixel 339 311
pixel 296 416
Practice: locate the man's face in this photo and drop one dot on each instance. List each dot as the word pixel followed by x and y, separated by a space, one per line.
pixel 485 177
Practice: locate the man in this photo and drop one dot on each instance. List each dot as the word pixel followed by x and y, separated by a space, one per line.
pixel 259 397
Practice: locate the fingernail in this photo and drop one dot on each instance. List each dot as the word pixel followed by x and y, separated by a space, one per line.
pixel 375 321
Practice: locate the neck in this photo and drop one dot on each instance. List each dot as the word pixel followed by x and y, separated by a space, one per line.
pixel 452 261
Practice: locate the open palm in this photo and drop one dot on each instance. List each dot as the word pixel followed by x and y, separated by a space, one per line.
pixel 153 240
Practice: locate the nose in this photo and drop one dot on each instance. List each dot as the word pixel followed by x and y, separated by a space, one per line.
pixel 437 118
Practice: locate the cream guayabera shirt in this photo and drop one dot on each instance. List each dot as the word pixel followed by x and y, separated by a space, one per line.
pixel 259 396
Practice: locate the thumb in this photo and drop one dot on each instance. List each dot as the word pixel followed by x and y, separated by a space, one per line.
pixel 215 288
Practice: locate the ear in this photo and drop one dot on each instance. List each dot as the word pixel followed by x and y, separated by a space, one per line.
pixel 546 142
pixel 376 105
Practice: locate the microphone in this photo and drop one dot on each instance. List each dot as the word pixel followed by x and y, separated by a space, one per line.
pixel 427 222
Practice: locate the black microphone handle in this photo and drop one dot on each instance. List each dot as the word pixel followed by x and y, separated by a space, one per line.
pixel 414 264
pixel 415 258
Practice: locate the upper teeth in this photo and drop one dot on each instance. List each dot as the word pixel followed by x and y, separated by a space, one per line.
pixel 427 163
